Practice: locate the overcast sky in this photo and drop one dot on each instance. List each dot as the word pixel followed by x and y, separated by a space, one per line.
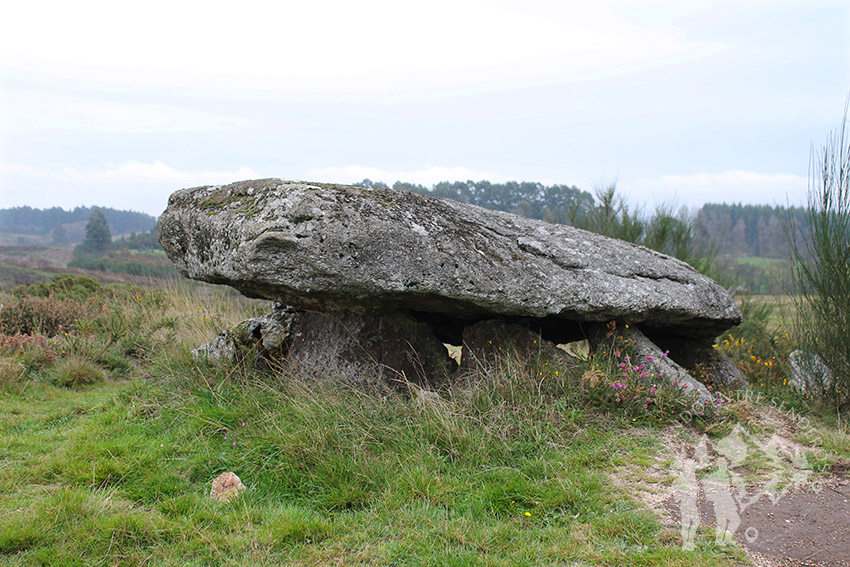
pixel 119 104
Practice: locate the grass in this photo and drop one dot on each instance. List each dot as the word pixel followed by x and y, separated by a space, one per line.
pixel 111 464
pixel 111 433
pixel 119 474
pixel 779 311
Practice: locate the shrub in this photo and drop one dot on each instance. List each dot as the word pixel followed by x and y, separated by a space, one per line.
pixel 62 286
pixel 41 315
pixel 33 352
pixel 11 372
pixel 822 274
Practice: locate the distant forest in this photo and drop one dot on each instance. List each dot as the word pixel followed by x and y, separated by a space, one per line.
pixel 58 227
pixel 735 230
pixel 26 220
pixel 749 230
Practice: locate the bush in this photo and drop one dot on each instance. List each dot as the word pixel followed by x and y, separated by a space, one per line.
pixel 75 317
pixel 32 352
pixel 822 274
pixel 41 315
pixel 620 380
pixel 62 286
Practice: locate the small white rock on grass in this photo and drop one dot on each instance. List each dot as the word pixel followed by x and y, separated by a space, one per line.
pixel 226 487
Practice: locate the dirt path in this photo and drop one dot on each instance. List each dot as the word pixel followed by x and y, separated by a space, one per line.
pixel 801 528
pixel 780 511
pixel 805 528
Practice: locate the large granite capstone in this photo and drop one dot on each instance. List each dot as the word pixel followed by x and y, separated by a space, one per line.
pixel 372 282
pixel 325 247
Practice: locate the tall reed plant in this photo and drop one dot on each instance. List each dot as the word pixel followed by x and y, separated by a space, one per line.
pixel 822 261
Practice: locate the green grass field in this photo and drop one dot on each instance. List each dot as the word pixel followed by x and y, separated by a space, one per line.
pixel 111 433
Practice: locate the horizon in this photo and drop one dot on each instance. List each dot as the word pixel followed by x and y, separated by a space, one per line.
pixel 712 101
pixel 641 206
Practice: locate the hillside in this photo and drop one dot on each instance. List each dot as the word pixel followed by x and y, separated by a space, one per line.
pixel 26 226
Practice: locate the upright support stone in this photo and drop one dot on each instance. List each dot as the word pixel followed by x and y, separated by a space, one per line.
pixel 655 360
pixel 393 347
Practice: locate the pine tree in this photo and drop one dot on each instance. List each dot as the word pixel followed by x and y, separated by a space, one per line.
pixel 98 237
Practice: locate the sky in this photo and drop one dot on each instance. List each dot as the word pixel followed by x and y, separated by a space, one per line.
pixel 119 104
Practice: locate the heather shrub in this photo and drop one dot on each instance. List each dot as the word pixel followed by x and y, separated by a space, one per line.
pixel 29 315
pixel 32 352
pixel 621 380
pixel 113 326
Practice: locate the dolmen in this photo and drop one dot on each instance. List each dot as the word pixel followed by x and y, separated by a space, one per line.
pixel 369 280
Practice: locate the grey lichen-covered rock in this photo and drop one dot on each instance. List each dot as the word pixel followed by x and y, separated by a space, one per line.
pixel 226 346
pixel 325 247
pixel 701 358
pixel 394 348
pixel 809 372
pixel 267 336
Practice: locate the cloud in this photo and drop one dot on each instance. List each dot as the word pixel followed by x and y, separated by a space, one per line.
pixel 28 110
pixel 130 185
pixel 732 186
pixel 336 46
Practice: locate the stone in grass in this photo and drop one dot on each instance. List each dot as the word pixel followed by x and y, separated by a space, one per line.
pixel 226 487
pixel 809 372
pixel 267 336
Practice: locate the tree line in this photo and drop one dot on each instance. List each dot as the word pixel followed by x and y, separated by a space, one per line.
pixel 731 230
pixel 31 221
pixel 750 230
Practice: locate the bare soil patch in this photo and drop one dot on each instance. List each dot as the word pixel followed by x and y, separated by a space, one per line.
pixel 788 514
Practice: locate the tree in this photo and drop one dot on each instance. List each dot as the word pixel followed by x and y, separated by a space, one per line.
pixel 98 237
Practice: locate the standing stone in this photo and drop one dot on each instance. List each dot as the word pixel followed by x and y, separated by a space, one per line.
pixel 395 348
